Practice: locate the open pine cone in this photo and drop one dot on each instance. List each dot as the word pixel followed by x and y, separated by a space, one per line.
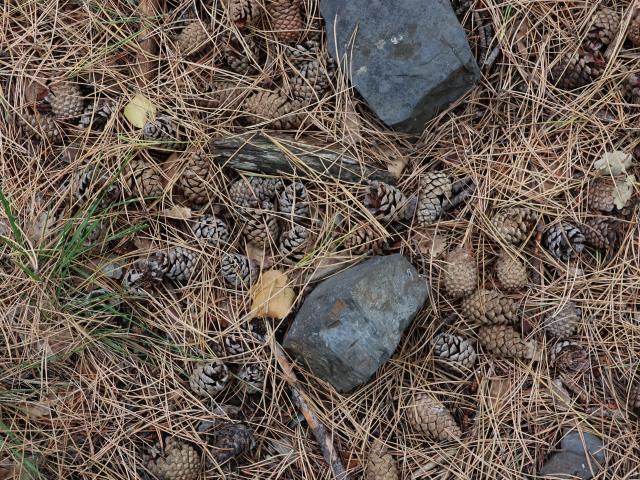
pixel 252 375
pixel 209 379
pixel 161 132
pixel 195 179
pixel 577 69
pixel 293 244
pixel 489 307
pixel 143 180
pixel 244 12
pixel 178 460
pixel 253 190
pixel 460 273
pixel 514 224
pixel 96 114
pixel 381 465
pixel 604 26
pixel 430 417
pixel 564 240
pixel 238 270
pixel 229 441
pixel 293 203
pixel 242 54
pixel 603 232
pixel 435 189
pixel 311 81
pixel 563 322
pixel 385 202
pixel 178 264
pixel 364 241
pixel 457 351
pixel 602 195
pixel 44 126
pixel 504 341
pixel 211 229
pixel 260 226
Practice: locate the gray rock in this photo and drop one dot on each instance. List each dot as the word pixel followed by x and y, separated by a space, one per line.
pixel 351 323
pixel 576 458
pixel 409 58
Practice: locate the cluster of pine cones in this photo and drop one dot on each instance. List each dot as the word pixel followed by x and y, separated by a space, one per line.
pixel 582 66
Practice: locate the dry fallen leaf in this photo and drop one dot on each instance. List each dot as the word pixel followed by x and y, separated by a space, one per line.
pixel 614 163
pixel 271 296
pixel 432 245
pixel 177 212
pixel 623 191
pixel 396 166
pixel 139 111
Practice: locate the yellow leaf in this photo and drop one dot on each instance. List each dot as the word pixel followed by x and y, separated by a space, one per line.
pixel 139 110
pixel 271 296
pixel 177 212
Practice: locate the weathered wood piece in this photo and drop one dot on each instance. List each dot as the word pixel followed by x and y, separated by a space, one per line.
pixel 259 153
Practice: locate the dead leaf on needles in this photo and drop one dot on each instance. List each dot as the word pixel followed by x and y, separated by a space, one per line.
pixel 396 166
pixel 177 212
pixel 614 163
pixel 139 110
pixel 623 191
pixel 432 245
pixel 271 296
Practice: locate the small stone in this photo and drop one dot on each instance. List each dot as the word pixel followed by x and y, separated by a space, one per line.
pixel 409 59
pixel 581 456
pixel 351 323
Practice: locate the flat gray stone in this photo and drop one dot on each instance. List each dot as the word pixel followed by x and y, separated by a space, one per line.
pixel 409 59
pixel 576 458
pixel 351 323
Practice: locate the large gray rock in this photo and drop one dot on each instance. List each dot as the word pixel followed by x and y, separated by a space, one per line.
pixel 409 58
pixel 351 323
pixel 576 458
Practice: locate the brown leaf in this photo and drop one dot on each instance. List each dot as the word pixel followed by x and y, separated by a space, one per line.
pixel 396 166
pixel 177 212
pixel 272 297
pixel 432 245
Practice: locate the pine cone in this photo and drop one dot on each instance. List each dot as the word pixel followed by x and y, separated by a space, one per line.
pixel 252 375
pixel 312 81
pixel 577 69
pixel 511 273
pixel 261 225
pixel 293 244
pixel 243 12
pixel 633 34
pixel 364 241
pixel 133 283
pixel 634 394
pixel 43 125
pixel 302 53
pixel 603 232
pixel 209 379
pixel 601 195
pixel 430 417
pixel 238 270
pixel 381 465
pixel 514 224
pixel 193 38
pixel 97 114
pixel 230 441
pixel 177 461
pixel 605 25
pixel 435 189
pixel 564 322
pixel 223 95
pixel 143 180
pixel 457 351
pixel 235 345
pixel 385 202
pixel 504 341
pixel 195 178
pixel 564 241
pixel 178 265
pixel 161 132
pixel 489 307
pixel 569 357
pixel 90 182
pixel 460 273
pixel 632 89
pixel 273 108
pixel 66 100
pixel 242 54
pixel 252 191
pixel 293 203
pixel 210 228
pixel 286 20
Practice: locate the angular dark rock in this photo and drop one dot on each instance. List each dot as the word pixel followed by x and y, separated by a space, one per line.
pixel 352 322
pixel 581 456
pixel 409 59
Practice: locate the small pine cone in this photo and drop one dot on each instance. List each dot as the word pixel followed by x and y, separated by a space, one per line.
pixel 460 273
pixel 286 20
pixel 511 273
pixel 513 225
pixel 435 189
pixel 633 34
pixel 235 345
pixel 293 202
pixel 66 100
pixel 273 108
pixel 252 191
pixel 252 375
pixel 603 232
pixel 632 89
pixel 430 417
pixel 223 95
pixel 364 241
pixel 133 282
pixel 293 244
pixel 89 182
pixel 260 226
pixel 385 202
pixel 504 341
pixel 243 12
pixel 601 195
pixel 238 270
pixel 568 356
pixel 242 54
pixel 193 38
pixel 311 82
pixel 211 229
pixel 634 396
pixel 230 441
pixel 489 307
pixel 97 114
pixel 143 180
pixel 457 351
pixel 576 70
pixel 209 379
pixel 161 132
pixel 604 26
pixel 564 241
pixel 177 461
pixel 178 265
pixel 302 53
pixel 43 125
pixel 381 465
pixel 195 178
pixel 564 322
